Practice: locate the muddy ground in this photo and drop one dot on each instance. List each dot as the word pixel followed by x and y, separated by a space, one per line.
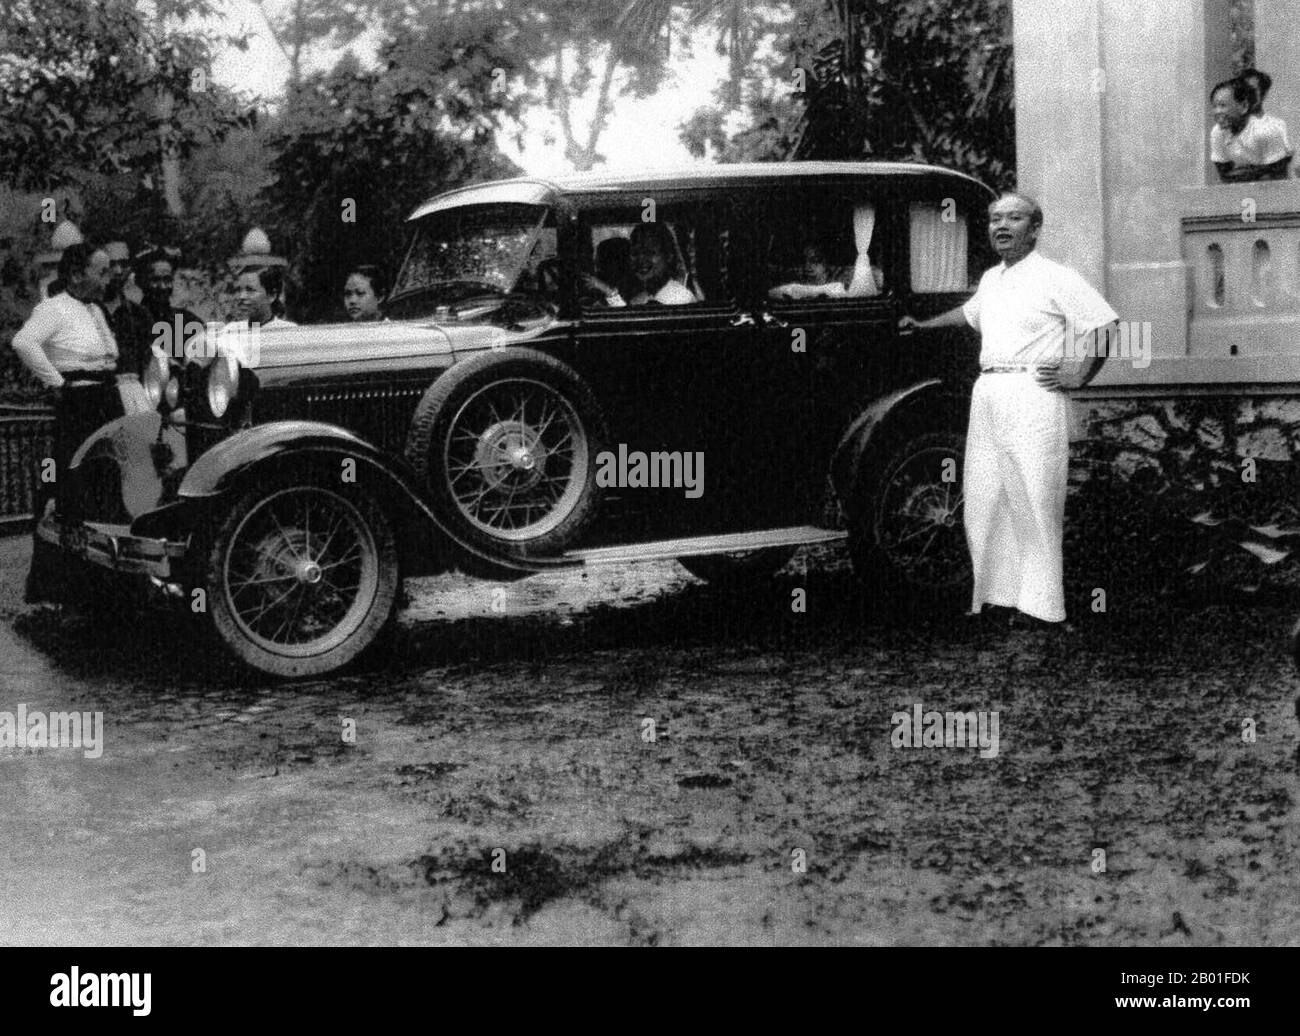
pixel 523 729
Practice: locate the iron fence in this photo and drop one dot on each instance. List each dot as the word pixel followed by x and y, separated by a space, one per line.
pixel 26 437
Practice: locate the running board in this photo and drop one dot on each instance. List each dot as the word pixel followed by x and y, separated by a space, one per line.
pixel 694 546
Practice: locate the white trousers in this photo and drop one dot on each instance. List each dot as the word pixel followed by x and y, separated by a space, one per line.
pixel 1017 463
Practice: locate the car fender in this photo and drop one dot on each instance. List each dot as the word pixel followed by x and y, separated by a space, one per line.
pixel 262 449
pixel 931 401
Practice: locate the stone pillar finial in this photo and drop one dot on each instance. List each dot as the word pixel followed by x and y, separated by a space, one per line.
pixel 255 253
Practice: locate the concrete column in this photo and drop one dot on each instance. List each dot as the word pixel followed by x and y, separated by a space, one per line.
pixel 1060 83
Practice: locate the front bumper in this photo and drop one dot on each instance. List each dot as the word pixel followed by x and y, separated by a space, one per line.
pixel 113 546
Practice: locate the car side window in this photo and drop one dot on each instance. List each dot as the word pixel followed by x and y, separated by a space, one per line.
pixel 940 245
pixel 828 250
pixel 676 259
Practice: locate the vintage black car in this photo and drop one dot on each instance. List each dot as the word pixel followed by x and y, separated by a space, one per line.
pixel 586 370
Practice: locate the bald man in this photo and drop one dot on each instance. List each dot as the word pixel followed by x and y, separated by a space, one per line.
pixel 1018 445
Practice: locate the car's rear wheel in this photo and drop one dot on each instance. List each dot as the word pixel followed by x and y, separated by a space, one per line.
pixel 907 539
pixel 506 445
pixel 742 570
pixel 301 577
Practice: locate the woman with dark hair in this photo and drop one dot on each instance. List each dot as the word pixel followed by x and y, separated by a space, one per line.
pixel 259 303
pixel 655 266
pixel 259 297
pixel 363 291
pixel 1243 145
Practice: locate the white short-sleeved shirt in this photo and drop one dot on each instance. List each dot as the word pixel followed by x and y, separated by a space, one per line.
pixel 1022 312
pixel 1262 141
pixel 673 293
pixel 62 334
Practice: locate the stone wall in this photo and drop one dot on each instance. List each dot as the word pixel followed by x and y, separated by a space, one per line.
pixel 1145 467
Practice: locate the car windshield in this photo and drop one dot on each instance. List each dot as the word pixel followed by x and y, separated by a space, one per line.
pixel 464 262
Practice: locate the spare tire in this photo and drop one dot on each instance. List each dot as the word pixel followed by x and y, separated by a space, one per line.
pixel 505 444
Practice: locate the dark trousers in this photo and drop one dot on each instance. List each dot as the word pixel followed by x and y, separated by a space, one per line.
pixel 79 412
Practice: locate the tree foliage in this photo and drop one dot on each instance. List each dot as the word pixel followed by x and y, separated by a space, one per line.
pixel 108 87
pixel 915 80
pixel 356 149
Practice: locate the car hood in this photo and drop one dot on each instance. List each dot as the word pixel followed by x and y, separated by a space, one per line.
pixel 310 344
pixel 383 341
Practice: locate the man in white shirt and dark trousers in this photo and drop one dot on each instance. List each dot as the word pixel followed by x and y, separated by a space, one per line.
pixel 67 344
pixel 1030 312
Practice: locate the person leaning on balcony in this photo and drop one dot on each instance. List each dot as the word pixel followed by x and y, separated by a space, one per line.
pixel 1260 84
pixel 1017 447
pixel 1244 145
pixel 67 344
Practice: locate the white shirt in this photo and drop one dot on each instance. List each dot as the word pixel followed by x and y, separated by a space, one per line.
pixel 63 334
pixel 1022 311
pixel 673 293
pixel 1262 141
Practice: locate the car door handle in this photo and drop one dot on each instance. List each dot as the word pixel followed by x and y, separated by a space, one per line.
pixel 771 321
pixel 742 320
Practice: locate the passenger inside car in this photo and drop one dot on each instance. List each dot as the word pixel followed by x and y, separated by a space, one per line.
pixel 817 277
pixel 656 267
pixel 612 283
pixel 645 268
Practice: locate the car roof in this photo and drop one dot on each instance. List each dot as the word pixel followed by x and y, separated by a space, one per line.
pixel 532 190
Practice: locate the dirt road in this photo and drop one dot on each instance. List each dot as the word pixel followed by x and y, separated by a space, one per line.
pixel 768 803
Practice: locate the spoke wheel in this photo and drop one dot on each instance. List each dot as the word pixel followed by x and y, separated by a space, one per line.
pixel 515 459
pixel 301 578
pixel 907 535
pixel 505 444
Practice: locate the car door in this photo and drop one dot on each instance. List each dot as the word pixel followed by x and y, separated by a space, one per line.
pixel 683 377
pixel 826 295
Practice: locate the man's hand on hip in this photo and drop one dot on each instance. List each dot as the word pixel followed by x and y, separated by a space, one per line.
pixel 1050 378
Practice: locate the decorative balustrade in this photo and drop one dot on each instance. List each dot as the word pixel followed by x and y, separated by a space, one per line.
pixel 1244 285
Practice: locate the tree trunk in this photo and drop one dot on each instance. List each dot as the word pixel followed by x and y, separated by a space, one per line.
pixel 168 155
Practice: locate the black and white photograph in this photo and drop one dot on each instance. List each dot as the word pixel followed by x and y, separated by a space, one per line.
pixel 651 473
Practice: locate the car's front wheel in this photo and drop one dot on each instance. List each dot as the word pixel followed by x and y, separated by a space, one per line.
pixel 300 577
pixel 907 539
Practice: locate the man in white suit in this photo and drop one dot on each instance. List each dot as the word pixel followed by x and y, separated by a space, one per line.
pixel 1031 313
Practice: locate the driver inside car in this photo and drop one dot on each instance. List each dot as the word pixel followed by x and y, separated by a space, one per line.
pixel 653 271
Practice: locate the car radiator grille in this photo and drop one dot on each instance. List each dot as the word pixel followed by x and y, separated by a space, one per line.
pixel 379 415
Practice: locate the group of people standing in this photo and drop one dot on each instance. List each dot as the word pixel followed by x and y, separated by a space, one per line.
pixel 90 341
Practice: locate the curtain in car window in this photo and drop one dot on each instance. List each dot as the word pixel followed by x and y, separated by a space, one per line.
pixel 938 247
pixel 864 225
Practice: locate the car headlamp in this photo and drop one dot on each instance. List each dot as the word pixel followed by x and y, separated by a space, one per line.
pixel 223 384
pixel 156 377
